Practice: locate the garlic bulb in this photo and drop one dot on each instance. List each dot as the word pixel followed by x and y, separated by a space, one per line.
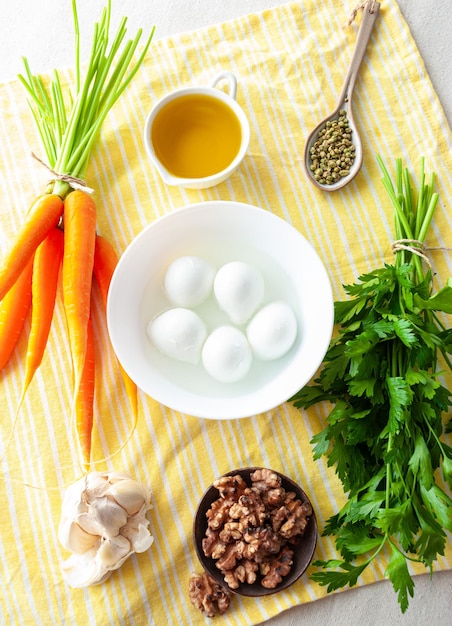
pixel 103 521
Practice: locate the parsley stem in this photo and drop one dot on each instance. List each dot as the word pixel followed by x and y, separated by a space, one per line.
pixel 420 198
pixel 388 473
pixel 404 554
pixel 428 217
pixel 402 202
pixel 437 439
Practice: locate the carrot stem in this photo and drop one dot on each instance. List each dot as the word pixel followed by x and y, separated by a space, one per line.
pixel 68 139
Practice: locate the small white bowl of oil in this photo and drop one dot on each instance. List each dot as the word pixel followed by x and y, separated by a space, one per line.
pixel 197 136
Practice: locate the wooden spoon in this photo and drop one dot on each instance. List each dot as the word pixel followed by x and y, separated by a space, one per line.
pixel 369 17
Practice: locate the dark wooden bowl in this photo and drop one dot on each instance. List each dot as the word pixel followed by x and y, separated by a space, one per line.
pixel 303 552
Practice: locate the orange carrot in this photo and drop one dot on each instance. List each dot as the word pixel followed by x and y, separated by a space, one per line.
pixel 46 267
pixel 43 215
pixel 79 239
pixel 84 404
pixel 13 312
pixel 105 262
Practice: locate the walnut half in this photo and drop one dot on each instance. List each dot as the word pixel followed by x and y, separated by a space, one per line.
pixel 207 595
pixel 276 568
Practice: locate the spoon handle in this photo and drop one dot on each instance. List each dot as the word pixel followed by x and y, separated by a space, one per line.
pixel 370 14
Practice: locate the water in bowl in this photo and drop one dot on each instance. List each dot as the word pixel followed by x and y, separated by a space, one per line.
pixel 194 378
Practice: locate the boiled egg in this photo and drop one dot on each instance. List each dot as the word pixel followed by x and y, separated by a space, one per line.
pixel 239 289
pixel 226 354
pixel 188 281
pixel 178 333
pixel 272 331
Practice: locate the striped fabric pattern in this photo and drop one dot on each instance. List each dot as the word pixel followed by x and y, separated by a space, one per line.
pixel 290 62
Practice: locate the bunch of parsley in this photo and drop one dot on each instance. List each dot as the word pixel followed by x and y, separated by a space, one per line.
pixel 384 434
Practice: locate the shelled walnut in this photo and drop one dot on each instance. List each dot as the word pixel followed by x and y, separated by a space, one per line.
pixel 251 529
pixel 207 595
pixel 291 517
pixel 276 568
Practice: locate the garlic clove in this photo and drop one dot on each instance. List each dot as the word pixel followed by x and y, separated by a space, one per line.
pixel 95 566
pixel 95 481
pixel 84 570
pixel 73 538
pixel 114 477
pixel 96 486
pixel 109 515
pixel 78 495
pixel 137 531
pixel 73 504
pixel 138 535
pixel 129 494
pixel 90 524
pixel 112 552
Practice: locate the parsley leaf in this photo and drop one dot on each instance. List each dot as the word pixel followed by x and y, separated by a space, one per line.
pixel 420 462
pixel 402 582
pixel 439 503
pixel 334 580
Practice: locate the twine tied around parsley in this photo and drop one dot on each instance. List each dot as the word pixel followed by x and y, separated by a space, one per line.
pixel 415 247
pixel 411 245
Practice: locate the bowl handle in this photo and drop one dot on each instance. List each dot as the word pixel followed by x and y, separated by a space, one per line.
pixel 232 82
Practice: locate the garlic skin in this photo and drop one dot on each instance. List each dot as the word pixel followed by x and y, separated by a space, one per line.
pixel 103 521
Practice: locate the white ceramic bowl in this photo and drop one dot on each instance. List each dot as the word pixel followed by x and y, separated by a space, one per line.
pixel 220 231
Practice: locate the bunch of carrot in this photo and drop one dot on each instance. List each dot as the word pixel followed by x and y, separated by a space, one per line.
pixel 58 236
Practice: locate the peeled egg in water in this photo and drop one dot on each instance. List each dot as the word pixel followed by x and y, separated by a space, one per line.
pixel 239 289
pixel 226 354
pixel 178 333
pixel 272 331
pixel 188 281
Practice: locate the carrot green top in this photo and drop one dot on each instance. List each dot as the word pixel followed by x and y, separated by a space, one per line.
pixel 68 122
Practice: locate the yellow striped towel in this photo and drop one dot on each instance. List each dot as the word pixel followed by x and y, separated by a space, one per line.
pixel 290 62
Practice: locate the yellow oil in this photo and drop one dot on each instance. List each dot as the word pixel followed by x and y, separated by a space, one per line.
pixel 196 135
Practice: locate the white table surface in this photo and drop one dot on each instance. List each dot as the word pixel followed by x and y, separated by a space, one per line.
pixel 22 24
